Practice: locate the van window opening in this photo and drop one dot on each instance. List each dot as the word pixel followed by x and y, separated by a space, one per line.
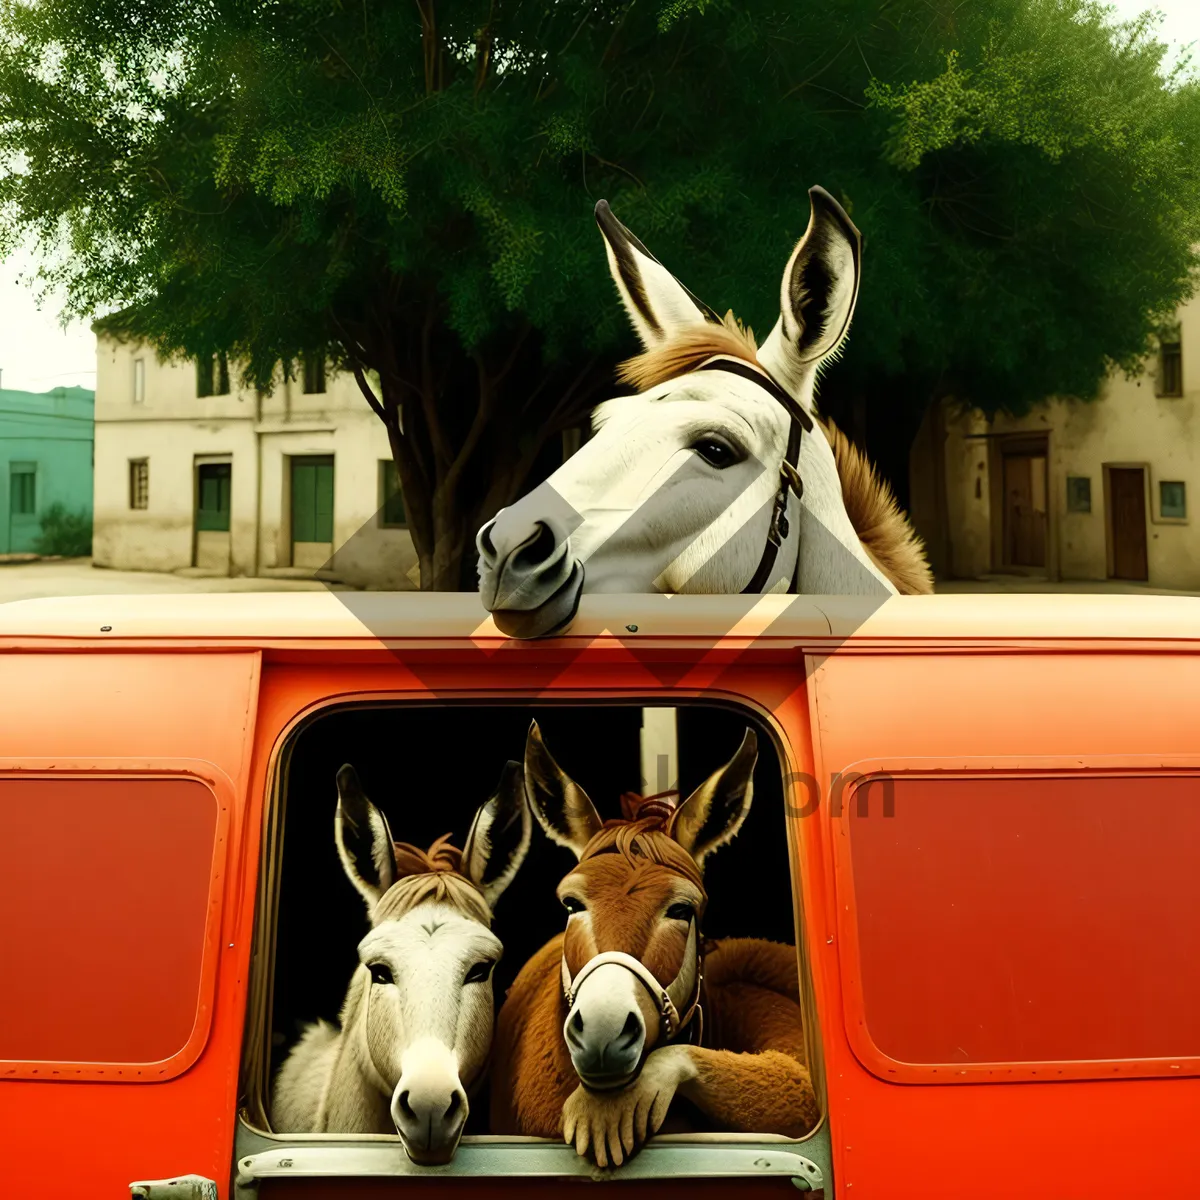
pixel 412 762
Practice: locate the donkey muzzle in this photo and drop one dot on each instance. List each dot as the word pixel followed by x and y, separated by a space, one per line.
pixel 429 1105
pixel 529 580
pixel 605 1030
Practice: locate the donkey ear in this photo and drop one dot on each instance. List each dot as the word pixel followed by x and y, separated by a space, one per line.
pixel 657 303
pixel 714 812
pixel 364 840
pixel 499 837
pixel 561 806
pixel 819 289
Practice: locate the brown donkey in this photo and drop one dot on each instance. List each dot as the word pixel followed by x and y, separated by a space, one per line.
pixel 613 1018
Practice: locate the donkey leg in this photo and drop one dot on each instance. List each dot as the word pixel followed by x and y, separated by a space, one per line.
pixel 767 1092
pixel 612 1125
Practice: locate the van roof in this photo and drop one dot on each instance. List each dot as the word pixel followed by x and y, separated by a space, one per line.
pixel 288 618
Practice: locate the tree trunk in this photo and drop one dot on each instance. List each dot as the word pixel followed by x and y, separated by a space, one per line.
pixel 470 432
pixel 896 408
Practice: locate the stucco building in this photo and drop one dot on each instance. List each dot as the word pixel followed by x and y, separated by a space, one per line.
pixel 45 460
pixel 195 472
pixel 1073 491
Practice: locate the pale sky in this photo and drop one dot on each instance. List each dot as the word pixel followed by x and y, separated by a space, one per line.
pixel 37 354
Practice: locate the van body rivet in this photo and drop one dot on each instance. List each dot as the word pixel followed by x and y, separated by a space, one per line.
pixel 106 629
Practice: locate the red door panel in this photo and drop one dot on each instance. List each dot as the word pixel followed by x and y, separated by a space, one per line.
pixel 946 942
pixel 122 808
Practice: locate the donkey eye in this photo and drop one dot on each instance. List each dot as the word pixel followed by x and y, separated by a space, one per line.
pixel 572 905
pixel 481 972
pixel 681 912
pixel 716 451
pixel 381 974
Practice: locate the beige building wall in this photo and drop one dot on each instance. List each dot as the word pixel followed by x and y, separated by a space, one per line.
pixel 152 412
pixel 962 514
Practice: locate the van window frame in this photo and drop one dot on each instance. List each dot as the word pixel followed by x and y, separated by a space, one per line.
pixel 859 776
pixel 223 792
pixel 254 1134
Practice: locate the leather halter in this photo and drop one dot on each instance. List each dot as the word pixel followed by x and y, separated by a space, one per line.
pixel 789 472
pixel 671 1022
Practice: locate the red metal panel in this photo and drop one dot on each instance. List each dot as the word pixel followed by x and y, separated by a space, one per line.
pixel 1043 919
pixel 108 890
pixel 130 713
pixel 1013 711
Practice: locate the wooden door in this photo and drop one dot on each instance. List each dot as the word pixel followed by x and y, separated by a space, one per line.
pixel 312 511
pixel 214 484
pixel 23 527
pixel 1127 522
pixel 1025 510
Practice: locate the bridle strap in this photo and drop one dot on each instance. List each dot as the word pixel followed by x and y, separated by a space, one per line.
pixel 759 375
pixel 777 531
pixel 789 470
pixel 671 1022
pixel 667 1012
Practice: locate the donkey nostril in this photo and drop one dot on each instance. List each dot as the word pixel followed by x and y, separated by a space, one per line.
pixel 405 1107
pixel 577 1022
pixel 630 1032
pixel 455 1105
pixel 485 541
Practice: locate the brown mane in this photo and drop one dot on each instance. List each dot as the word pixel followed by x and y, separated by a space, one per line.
pixel 885 532
pixel 686 351
pixel 642 843
pixel 883 529
pixel 431 875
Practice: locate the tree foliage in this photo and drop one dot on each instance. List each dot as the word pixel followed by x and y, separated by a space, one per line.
pixel 408 187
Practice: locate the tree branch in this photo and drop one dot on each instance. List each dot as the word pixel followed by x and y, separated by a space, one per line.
pixel 441 449
pixel 483 50
pixel 365 388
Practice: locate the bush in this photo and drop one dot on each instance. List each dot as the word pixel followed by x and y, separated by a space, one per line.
pixel 66 533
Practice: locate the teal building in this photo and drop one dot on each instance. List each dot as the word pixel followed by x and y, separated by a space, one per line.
pixel 46 441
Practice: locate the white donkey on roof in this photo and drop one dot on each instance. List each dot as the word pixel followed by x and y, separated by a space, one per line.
pixel 703 480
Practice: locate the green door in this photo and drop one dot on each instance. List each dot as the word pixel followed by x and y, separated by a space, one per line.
pixel 23 526
pixel 312 499
pixel 213 484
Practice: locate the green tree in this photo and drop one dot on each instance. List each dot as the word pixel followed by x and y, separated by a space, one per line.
pixel 408 189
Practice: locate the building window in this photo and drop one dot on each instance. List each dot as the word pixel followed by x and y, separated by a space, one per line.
pixel 391 499
pixel 23 489
pixel 139 483
pixel 212 376
pixel 1172 500
pixel 213 486
pixel 139 381
pixel 314 375
pixel 1170 363
pixel 1079 494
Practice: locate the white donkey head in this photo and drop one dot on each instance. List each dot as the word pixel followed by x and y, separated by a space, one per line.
pixel 684 485
pixel 422 1024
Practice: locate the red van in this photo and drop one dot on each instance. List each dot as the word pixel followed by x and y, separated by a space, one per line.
pixel 977 818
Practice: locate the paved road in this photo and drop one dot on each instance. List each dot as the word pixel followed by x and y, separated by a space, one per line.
pixel 1021 583
pixel 77 577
